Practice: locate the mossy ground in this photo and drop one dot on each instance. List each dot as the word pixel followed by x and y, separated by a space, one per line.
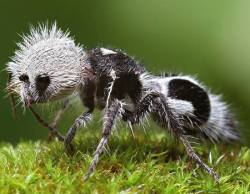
pixel 149 163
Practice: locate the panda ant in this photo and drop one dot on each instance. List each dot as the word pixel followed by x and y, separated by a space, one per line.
pixel 49 66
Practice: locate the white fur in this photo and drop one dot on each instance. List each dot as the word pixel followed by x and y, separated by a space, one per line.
pixel 48 51
pixel 216 127
pixel 181 107
pixel 107 51
pixel 110 88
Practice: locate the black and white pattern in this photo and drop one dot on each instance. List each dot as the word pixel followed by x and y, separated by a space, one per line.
pixel 49 66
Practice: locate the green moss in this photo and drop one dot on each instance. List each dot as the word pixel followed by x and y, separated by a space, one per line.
pixel 150 163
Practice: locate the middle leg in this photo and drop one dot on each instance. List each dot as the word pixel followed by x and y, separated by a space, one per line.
pixel 83 119
pixel 52 130
pixel 57 118
pixel 110 117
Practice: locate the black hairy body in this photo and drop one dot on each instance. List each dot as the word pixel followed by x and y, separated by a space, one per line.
pixel 126 84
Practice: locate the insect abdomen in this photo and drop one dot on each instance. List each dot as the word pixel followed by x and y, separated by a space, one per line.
pixel 182 89
pixel 185 97
pixel 198 109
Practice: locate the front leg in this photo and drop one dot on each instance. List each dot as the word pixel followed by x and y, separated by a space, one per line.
pixel 82 120
pixel 111 114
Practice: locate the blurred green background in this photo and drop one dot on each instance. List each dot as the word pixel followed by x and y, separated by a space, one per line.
pixel 209 39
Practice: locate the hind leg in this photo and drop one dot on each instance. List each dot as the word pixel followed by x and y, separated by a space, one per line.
pixel 191 153
pixel 157 103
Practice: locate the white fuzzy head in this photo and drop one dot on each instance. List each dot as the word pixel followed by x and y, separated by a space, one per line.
pixel 48 65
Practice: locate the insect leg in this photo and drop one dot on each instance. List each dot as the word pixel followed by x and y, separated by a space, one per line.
pixel 143 108
pixel 57 117
pixel 59 113
pixel 165 113
pixel 83 119
pixel 175 127
pixel 191 153
pixel 111 114
pixel 52 130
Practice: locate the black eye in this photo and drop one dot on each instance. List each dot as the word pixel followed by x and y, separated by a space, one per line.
pixel 42 82
pixel 24 78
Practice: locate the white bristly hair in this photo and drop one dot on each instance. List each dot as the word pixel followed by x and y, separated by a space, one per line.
pixel 221 123
pixel 47 51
